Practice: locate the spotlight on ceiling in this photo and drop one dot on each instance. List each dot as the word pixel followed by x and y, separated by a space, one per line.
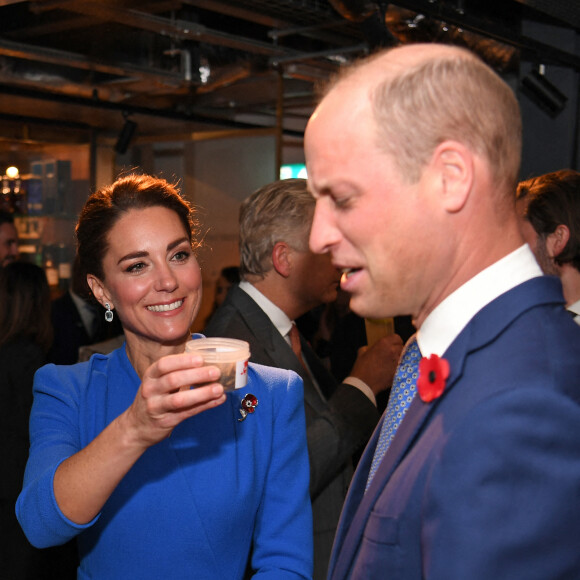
pixel 125 136
pixel 543 93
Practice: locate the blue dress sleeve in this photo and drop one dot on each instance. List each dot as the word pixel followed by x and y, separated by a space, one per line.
pixel 282 546
pixel 54 436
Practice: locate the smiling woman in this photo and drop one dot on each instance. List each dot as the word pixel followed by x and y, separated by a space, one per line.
pixel 139 469
pixel 152 281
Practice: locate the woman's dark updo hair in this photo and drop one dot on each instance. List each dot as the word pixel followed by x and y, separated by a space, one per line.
pixel 106 206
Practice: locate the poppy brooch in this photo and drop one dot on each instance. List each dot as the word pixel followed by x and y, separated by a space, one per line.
pixel 433 373
pixel 248 405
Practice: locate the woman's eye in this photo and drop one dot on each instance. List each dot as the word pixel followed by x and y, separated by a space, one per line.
pixel 181 256
pixel 135 267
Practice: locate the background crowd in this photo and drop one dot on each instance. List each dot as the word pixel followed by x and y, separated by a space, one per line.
pixel 426 224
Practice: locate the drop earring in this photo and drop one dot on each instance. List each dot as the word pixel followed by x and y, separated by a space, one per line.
pixel 109 313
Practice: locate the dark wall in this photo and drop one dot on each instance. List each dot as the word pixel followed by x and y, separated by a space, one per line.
pixel 551 142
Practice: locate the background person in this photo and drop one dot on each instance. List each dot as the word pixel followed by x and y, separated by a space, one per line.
pixel 336 334
pixel 155 478
pixel 78 321
pixel 229 276
pixel 281 280
pixel 25 335
pixel 8 239
pixel 549 210
pixel 413 158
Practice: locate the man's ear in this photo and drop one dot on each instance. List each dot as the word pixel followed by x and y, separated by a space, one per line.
pixel 453 164
pixel 557 240
pixel 98 290
pixel 281 258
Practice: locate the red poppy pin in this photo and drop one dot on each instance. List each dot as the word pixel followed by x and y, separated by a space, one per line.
pixel 248 405
pixel 433 373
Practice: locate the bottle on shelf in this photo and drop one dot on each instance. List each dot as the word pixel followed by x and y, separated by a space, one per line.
pixel 64 267
pixel 51 271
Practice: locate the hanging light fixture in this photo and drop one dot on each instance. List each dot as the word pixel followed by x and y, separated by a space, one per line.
pixel 125 136
pixel 12 172
pixel 542 92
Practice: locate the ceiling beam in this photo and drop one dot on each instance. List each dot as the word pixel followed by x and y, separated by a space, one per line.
pixel 173 28
pixel 77 61
pixel 203 117
pixel 475 23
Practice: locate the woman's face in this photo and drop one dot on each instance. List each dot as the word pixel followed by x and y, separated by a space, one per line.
pixel 152 278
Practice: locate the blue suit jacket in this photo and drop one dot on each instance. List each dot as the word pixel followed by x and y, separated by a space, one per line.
pixel 484 482
pixel 216 497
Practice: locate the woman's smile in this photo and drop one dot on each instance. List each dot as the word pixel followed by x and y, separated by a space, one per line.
pixel 165 307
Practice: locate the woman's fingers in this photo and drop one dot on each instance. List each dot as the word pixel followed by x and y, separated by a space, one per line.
pixel 174 388
pixel 175 372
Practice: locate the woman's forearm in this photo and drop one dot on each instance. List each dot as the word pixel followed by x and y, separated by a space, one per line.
pixel 85 481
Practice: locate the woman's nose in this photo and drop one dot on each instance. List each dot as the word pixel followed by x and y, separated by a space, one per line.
pixel 166 280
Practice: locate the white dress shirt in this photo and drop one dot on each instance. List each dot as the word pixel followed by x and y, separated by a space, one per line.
pixel 575 308
pixel 450 317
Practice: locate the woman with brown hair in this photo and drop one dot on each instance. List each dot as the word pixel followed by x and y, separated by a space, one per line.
pixel 140 453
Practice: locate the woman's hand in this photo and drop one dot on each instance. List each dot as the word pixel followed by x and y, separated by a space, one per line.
pixel 173 389
pixel 84 481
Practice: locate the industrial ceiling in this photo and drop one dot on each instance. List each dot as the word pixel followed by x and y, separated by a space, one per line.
pixel 73 69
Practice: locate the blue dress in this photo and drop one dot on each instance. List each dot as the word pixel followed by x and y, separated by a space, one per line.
pixel 216 498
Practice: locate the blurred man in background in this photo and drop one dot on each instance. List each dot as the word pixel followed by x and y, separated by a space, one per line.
pixel 282 280
pixel 549 210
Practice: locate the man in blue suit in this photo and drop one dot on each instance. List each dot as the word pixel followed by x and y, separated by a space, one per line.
pixel 413 158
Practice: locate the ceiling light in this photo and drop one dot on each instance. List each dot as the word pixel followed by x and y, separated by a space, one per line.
pixel 542 92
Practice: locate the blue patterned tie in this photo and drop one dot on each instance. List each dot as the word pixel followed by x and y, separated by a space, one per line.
pixel 402 393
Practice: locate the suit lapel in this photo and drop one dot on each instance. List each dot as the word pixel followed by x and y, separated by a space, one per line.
pixel 325 380
pixel 359 504
pixel 277 350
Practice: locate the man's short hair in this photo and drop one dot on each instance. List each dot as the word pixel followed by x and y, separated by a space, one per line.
pixel 554 199
pixel 455 97
pixel 279 211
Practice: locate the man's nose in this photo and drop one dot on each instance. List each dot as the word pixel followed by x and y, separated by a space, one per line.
pixel 323 233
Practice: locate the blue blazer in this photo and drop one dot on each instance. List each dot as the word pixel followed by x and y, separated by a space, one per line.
pixel 217 497
pixel 484 482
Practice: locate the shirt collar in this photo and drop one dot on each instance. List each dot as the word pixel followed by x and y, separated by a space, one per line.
pixel 275 314
pixel 575 307
pixel 450 317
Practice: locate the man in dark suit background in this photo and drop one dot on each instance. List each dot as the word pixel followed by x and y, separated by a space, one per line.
pixel 281 280
pixel 413 158
pixel 77 321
